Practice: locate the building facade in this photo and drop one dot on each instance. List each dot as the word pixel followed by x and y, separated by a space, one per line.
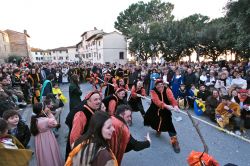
pixel 19 43
pixel 57 55
pixel 4 46
pixel 100 47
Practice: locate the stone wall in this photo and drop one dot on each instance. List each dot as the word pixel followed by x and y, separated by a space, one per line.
pixel 18 43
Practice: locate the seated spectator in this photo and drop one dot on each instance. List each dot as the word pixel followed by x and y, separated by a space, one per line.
pixel 228 113
pixel 234 93
pixel 223 84
pixel 17 127
pixel 203 93
pixel 211 79
pixel 244 101
pixel 11 150
pixel 182 97
pixel 211 104
pixel 203 78
pixel 238 82
pixel 192 94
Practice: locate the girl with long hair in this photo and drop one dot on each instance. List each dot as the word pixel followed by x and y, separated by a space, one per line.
pixel 46 146
pixel 93 148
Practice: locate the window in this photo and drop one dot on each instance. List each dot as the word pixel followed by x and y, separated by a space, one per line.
pixel 86 47
pixel 99 43
pixel 66 51
pixel 83 55
pixel 60 58
pixel 60 51
pixel 99 56
pixel 54 58
pixel 121 55
pixel 41 58
pixel 36 53
pixel 67 58
pixel 90 55
pixel 37 58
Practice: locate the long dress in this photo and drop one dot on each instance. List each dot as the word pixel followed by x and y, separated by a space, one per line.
pixel 47 149
pixel 176 82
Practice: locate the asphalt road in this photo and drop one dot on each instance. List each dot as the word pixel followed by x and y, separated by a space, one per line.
pixel 223 147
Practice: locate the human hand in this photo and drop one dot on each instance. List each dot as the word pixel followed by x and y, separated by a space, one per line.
pixel 176 108
pixel 230 111
pixel 169 107
pixel 148 138
pixel 226 107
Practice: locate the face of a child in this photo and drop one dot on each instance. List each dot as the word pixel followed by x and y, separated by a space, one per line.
pixel 13 120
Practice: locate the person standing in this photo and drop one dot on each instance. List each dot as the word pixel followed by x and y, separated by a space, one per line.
pixel 176 83
pixel 75 92
pixel 159 115
pixel 80 117
pixel 153 76
pixel 47 87
pixel 47 149
pixel 92 148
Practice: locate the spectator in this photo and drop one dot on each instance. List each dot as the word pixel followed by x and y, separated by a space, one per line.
pixel 227 113
pixel 17 127
pixel 211 104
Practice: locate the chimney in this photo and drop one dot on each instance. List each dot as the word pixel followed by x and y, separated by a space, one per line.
pixel 25 32
pixel 95 28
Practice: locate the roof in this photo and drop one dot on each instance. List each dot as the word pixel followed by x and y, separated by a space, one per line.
pixel 59 49
pixel 84 33
pixel 74 46
pixel 8 30
pixel 96 35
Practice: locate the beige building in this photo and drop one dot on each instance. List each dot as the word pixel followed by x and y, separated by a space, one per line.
pixel 4 46
pixel 19 43
pixel 101 47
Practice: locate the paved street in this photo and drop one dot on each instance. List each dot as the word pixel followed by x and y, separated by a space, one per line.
pixel 225 148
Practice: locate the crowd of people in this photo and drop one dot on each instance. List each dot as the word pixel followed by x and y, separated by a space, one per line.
pixel 99 122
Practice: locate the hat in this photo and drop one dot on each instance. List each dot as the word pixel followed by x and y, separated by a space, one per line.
pixel 242 91
pixel 157 81
pixel 119 90
pixel 91 94
pixel 226 97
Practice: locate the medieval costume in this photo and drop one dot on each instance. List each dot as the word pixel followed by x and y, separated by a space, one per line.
pixel 111 102
pixel 122 141
pixel 110 82
pixel 82 155
pixel 158 116
pixel 135 100
pixel 34 81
